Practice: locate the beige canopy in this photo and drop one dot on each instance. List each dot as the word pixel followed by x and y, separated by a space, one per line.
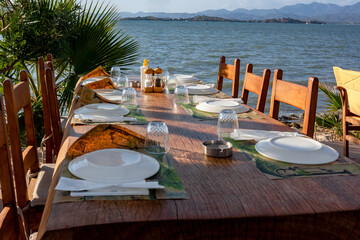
pixel 350 80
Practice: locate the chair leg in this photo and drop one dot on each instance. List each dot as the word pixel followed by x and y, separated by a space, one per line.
pixel 345 142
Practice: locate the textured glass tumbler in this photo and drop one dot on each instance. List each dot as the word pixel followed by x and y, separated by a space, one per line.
pixel 128 96
pixel 122 81
pixel 227 123
pixel 181 94
pixel 115 72
pixel 157 138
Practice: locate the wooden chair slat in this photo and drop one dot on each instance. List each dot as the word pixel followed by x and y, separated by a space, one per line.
pixel 296 95
pixel 350 122
pixel 46 111
pixel 10 226
pixel 256 84
pixel 231 72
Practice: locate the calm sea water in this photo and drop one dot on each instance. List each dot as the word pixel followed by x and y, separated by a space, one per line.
pixel 299 50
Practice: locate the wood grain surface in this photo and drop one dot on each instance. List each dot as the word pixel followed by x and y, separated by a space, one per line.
pixel 229 198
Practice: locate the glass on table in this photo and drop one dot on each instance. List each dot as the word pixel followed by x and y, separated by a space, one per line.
pixel 115 73
pixel 227 123
pixel 122 81
pixel 181 94
pixel 128 96
pixel 157 138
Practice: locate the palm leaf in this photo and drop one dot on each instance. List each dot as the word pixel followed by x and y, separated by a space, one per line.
pixel 98 42
pixel 333 96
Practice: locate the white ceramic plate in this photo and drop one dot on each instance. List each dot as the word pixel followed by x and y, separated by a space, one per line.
pixel 102 109
pixel 110 94
pixel 323 155
pixel 294 143
pixel 217 108
pixel 91 80
pixel 114 166
pixel 200 89
pixel 222 104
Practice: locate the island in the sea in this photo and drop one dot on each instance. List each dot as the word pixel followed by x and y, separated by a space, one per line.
pixel 219 19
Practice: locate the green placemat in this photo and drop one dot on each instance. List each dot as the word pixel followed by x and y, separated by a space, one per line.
pixel 135 111
pixel 166 176
pixel 280 170
pixel 200 115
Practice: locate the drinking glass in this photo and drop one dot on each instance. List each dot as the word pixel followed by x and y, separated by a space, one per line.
pixel 122 81
pixel 115 72
pixel 128 96
pixel 157 138
pixel 166 77
pixel 181 94
pixel 227 123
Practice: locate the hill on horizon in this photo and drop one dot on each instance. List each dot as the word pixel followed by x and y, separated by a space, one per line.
pixel 326 12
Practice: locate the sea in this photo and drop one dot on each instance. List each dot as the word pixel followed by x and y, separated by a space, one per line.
pixel 300 50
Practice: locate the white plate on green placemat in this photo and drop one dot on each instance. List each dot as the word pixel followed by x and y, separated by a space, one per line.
pixel 200 89
pixel 114 166
pixel 215 106
pixel 301 154
pixel 109 94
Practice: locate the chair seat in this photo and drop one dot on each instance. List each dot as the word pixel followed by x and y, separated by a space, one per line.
pixel 39 187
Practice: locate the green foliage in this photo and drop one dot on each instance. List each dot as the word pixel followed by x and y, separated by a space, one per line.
pixel 332 118
pixel 98 43
pixel 333 96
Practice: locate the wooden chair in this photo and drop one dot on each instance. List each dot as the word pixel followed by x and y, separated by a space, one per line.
pixel 231 72
pixel 296 95
pixel 10 226
pixel 30 197
pixel 256 84
pixel 52 121
pixel 350 121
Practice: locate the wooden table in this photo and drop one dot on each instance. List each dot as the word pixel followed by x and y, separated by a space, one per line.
pixel 228 198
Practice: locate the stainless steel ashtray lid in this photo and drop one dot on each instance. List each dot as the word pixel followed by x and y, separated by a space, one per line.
pixel 217 148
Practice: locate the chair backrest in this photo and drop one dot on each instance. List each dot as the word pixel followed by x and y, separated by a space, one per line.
pixel 231 72
pixel 256 84
pixel 46 112
pixel 18 98
pixel 52 123
pixel 10 227
pixel 54 107
pixel 296 95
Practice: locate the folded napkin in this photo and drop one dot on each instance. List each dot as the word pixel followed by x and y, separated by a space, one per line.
pixel 102 119
pixel 200 99
pixel 257 135
pixel 70 184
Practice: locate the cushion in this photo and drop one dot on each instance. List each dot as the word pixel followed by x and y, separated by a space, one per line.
pixel 350 80
pixel 42 184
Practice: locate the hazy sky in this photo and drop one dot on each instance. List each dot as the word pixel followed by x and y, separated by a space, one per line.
pixel 200 5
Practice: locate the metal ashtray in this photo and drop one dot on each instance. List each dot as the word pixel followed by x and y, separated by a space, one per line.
pixel 217 148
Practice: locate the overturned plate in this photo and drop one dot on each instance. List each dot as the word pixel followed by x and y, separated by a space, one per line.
pixel 200 89
pixel 110 94
pixel 323 155
pixel 217 107
pixel 114 166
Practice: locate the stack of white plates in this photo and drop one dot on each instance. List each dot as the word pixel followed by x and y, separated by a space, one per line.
pixel 182 78
pixel 110 94
pixel 114 166
pixel 91 80
pixel 200 89
pixel 297 150
pixel 215 106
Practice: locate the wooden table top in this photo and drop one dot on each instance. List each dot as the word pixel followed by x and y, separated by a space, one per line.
pixel 229 198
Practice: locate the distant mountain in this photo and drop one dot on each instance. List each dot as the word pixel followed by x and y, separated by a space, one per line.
pixel 330 13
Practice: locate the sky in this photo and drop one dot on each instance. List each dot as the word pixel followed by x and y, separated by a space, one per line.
pixel 192 6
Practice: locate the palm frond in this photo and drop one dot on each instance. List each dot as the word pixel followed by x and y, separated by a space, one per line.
pixel 97 42
pixel 333 96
